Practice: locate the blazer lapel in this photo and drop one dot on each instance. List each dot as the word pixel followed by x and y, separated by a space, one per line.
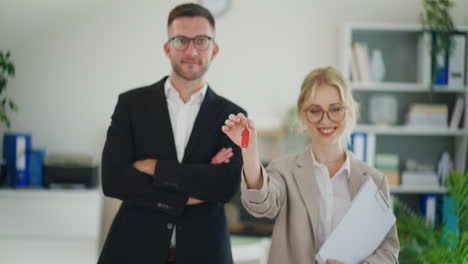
pixel 358 175
pixel 160 112
pixel 308 188
pixel 206 118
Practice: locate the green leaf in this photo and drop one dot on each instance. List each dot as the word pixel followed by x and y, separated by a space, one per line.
pixel 3 83
pixel 12 105
pixel 7 70
pixel 11 69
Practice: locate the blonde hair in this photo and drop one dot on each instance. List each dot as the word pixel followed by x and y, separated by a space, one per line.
pixel 328 76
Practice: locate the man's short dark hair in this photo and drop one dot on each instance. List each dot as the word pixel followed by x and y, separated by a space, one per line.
pixel 190 10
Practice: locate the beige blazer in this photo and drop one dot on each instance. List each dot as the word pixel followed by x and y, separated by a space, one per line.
pixel 289 195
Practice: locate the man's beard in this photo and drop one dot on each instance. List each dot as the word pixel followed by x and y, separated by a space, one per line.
pixel 189 76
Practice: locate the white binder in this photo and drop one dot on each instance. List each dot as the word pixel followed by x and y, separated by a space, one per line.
pixel 362 229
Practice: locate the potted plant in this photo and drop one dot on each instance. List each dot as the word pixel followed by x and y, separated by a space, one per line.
pixel 7 70
pixel 426 244
pixel 437 21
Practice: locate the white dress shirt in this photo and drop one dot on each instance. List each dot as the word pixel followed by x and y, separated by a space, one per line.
pixel 182 117
pixel 334 195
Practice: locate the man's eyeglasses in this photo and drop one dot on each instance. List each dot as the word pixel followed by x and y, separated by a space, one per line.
pixel 200 42
pixel 335 113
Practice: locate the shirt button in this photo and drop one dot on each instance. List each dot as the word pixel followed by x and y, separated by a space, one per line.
pixel 169 226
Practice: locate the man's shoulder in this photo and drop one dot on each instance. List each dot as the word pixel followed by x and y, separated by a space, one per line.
pixel 143 90
pixel 230 106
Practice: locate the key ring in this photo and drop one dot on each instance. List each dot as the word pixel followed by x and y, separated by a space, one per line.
pixel 245 137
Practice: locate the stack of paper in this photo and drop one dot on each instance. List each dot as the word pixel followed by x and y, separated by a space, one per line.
pixel 427 115
pixel 418 178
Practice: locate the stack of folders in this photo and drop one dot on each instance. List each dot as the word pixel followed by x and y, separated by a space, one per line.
pixel 388 164
pixel 419 178
pixel 427 115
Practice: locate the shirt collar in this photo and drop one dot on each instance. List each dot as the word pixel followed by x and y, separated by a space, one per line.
pixel 346 165
pixel 171 92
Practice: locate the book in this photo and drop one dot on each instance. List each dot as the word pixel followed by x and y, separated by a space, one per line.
pixel 16 148
pixel 388 165
pixel 362 61
pixel 449 218
pixel 419 178
pixel 457 113
pixel 354 67
pixel 424 59
pixel 440 62
pixel 362 229
pixel 427 115
pixel 36 168
pixel 363 145
pixel 457 62
pixel 429 209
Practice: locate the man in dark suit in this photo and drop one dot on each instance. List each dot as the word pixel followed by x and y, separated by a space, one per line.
pixel 160 158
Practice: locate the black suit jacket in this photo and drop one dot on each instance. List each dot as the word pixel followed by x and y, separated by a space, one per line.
pixel 153 205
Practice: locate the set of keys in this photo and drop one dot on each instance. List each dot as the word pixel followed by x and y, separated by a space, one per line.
pixel 245 138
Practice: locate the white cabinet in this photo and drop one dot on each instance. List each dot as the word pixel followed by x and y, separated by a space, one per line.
pixel 49 226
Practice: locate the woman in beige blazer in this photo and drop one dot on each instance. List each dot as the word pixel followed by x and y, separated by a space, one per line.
pixel 308 193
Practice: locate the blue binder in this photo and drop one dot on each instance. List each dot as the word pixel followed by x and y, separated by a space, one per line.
pixel 449 218
pixel 16 148
pixel 36 162
pixel 429 209
pixel 441 63
pixel 358 145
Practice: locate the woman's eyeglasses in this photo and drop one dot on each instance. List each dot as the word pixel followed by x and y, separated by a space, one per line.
pixel 335 113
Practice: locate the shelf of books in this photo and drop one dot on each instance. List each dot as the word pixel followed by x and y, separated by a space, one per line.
pixel 411 131
pixel 389 69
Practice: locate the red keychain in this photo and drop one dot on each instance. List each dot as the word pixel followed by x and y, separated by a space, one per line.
pixel 245 137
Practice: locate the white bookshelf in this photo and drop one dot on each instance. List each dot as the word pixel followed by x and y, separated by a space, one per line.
pixel 407 62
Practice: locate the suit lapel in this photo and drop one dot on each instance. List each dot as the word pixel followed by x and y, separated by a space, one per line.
pixel 160 112
pixel 206 118
pixel 358 175
pixel 308 188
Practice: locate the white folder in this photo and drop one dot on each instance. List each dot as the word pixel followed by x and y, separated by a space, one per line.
pixel 362 229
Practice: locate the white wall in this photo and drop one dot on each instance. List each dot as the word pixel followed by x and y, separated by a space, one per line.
pixel 74 57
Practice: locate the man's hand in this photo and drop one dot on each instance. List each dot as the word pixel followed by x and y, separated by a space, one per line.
pixel 334 261
pixel 223 156
pixel 149 165
pixel 146 166
pixel 193 201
